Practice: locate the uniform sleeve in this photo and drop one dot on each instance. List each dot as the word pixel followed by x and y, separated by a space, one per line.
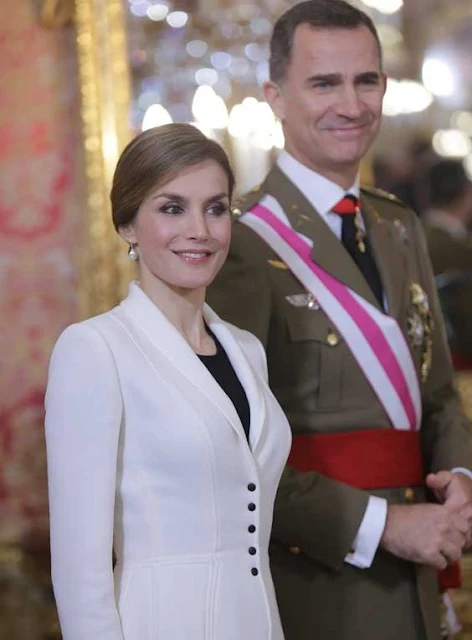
pixel 317 514
pixel 83 417
pixel 446 431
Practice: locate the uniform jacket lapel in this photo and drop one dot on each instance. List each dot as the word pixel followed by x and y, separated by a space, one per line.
pixel 389 256
pixel 327 252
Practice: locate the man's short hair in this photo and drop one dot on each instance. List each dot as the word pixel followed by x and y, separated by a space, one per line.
pixel 446 181
pixel 319 14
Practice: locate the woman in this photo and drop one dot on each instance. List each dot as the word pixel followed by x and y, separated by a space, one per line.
pixel 164 441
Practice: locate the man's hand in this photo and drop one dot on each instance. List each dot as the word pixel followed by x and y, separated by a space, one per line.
pixel 425 533
pixel 454 490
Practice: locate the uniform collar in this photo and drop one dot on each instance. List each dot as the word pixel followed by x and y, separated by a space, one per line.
pixel 320 192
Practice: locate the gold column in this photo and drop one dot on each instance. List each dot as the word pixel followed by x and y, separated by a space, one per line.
pixel 105 94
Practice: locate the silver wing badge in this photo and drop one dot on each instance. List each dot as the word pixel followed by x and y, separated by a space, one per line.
pixel 307 300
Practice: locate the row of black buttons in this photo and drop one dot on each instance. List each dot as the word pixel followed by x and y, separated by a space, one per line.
pixel 252 507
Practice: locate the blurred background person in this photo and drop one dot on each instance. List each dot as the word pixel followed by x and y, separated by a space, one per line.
pixel 448 225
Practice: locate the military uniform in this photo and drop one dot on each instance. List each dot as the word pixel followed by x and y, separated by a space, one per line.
pixel 450 249
pixel 322 390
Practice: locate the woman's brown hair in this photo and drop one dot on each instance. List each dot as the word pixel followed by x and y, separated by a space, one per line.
pixel 155 157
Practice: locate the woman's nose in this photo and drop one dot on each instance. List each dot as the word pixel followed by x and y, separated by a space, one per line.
pixel 197 227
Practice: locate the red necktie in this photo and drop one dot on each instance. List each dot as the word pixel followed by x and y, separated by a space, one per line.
pixel 347 208
pixel 348 205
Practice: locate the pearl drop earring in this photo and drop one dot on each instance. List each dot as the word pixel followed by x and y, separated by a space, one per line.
pixel 132 253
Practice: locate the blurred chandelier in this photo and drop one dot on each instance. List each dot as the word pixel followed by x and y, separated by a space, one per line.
pixel 178 46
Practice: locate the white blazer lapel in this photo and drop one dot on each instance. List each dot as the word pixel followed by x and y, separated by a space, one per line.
pixel 144 314
pixel 244 371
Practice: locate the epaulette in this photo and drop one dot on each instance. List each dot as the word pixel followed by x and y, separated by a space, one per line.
pixel 245 202
pixel 383 195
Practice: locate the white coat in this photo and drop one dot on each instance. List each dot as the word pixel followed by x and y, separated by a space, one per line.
pixel 147 454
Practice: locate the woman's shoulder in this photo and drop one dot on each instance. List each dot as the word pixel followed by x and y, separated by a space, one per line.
pixel 89 335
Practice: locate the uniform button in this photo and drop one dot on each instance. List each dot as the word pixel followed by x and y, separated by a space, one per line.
pixel 254 571
pixel 251 506
pixel 295 550
pixel 409 494
pixel 332 339
pixel 251 486
pixel 251 528
pixel 252 551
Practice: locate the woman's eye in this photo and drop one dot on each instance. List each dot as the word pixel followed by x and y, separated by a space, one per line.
pixel 218 209
pixel 172 209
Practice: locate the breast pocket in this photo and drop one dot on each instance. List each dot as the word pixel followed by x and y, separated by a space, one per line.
pixel 318 351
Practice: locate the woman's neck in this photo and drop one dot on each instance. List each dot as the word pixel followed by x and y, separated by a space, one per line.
pixel 184 310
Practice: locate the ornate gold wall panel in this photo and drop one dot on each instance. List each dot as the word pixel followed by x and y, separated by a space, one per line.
pixel 105 94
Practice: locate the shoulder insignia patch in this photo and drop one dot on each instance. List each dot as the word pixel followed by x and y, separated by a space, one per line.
pixel 384 195
pixel 241 204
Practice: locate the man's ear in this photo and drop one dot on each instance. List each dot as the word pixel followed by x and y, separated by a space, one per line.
pixel 275 97
pixel 383 80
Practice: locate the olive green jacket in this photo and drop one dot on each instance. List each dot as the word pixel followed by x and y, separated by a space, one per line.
pixel 322 390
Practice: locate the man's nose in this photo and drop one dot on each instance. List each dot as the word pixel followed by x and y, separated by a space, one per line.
pixel 349 103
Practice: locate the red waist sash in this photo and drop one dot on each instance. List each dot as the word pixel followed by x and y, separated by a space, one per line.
pixel 368 459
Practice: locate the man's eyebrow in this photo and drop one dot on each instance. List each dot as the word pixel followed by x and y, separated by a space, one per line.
pixel 325 77
pixel 337 77
pixel 368 75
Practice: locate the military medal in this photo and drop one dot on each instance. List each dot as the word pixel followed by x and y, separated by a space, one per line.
pixel 420 327
pixel 400 229
pixel 416 330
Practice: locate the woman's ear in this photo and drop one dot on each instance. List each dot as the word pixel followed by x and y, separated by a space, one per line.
pixel 126 232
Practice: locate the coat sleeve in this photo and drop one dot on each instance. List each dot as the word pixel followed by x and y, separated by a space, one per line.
pixel 446 432
pixel 83 417
pixel 320 515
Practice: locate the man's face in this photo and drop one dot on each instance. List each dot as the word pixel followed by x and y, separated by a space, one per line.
pixel 330 102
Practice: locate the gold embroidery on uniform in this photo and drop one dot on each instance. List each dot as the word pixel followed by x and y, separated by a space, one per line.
pixel 277 264
pixel 360 233
pixel 301 219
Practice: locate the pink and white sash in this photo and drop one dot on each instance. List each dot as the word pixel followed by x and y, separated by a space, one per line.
pixel 375 339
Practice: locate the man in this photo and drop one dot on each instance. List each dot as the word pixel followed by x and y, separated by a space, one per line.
pixel 355 547
pixel 448 222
